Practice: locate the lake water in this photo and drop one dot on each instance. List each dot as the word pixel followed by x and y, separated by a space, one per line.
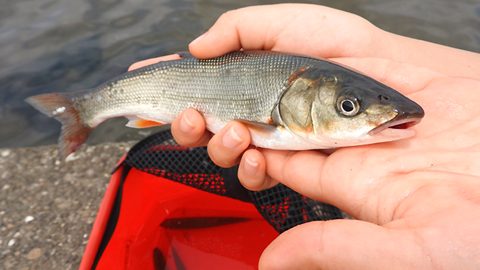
pixel 66 45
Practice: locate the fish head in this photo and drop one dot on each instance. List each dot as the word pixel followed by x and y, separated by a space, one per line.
pixel 334 106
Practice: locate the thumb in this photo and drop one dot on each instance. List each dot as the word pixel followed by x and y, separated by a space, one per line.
pixel 250 28
pixel 344 244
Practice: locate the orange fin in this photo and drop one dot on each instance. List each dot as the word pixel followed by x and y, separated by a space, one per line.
pixel 142 123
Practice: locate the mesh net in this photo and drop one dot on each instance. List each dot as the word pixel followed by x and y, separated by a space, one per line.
pixel 282 207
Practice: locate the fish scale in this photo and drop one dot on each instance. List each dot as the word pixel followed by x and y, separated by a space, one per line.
pixel 252 83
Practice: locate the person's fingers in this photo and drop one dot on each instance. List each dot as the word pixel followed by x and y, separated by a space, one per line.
pixel 152 61
pixel 374 183
pixel 300 170
pixel 344 244
pixel 188 129
pixel 226 147
pixel 252 171
pixel 346 179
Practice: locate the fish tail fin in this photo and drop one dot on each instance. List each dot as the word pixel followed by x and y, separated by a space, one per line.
pixel 59 106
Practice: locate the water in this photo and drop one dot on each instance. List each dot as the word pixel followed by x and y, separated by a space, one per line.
pixel 66 45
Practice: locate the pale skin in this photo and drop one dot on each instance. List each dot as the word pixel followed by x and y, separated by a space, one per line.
pixel 416 202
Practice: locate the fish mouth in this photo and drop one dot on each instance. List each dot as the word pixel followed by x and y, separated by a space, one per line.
pixel 399 123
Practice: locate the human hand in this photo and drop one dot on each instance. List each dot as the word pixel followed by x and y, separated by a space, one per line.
pixel 417 202
pixel 410 197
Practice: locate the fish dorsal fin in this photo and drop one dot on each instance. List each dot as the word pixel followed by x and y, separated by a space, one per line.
pixel 137 122
pixel 185 54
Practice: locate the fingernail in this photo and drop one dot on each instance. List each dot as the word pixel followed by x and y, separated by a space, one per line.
pixel 186 124
pixel 250 166
pixel 231 139
pixel 202 36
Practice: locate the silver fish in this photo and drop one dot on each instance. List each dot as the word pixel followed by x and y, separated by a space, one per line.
pixel 288 101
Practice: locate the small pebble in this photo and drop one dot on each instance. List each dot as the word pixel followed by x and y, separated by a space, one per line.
pixel 29 219
pixel 6 174
pixel 11 242
pixel 85 235
pixel 5 187
pixel 144 133
pixel 5 153
pixel 34 254
pixel 90 173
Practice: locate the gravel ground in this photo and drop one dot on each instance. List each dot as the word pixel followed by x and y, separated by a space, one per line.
pixel 47 207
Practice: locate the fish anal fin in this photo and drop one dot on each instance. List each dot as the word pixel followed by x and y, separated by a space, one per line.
pixel 71 138
pixel 136 122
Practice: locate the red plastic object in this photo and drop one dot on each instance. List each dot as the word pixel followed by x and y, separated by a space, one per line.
pixel 166 225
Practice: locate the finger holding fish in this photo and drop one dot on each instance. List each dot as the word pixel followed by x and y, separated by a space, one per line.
pixel 252 170
pixel 152 61
pixel 227 145
pixel 189 129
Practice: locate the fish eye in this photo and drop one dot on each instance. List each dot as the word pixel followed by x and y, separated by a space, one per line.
pixel 348 106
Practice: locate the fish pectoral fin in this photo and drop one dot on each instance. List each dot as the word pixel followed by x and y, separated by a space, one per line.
pixel 136 122
pixel 257 126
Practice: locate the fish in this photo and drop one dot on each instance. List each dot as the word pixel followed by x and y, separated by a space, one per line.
pixel 288 101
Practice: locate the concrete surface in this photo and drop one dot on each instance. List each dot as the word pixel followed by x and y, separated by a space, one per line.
pixel 47 207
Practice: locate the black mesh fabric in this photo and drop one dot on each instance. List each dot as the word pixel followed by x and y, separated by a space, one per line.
pixel 282 207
